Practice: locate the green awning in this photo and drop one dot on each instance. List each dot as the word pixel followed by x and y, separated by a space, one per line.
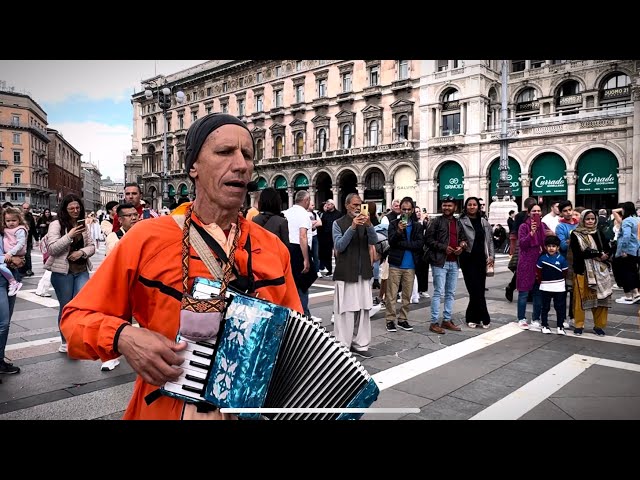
pixel 301 182
pixel 281 183
pixel 262 183
pixel 597 172
pixel 512 176
pixel 451 180
pixel 172 191
pixel 548 176
pixel 184 191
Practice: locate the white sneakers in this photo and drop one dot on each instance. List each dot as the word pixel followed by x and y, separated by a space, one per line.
pixel 472 325
pixel 523 324
pixel 560 331
pixel 546 330
pixel 623 300
pixel 110 365
pixel 45 294
pixel 62 348
pixel 13 288
pixel 535 325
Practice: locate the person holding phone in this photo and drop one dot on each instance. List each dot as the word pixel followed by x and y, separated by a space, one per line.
pixel 70 246
pixel 531 236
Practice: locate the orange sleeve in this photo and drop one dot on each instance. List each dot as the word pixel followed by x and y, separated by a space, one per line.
pixel 91 319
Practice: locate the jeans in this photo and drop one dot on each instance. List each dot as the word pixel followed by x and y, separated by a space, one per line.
pixel 537 303
pixel 445 280
pixel 376 270
pixel 304 299
pixel 314 252
pixel 6 310
pixel 66 287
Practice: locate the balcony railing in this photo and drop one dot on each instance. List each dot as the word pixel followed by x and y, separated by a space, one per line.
pixel 404 84
pixel 384 148
pixel 320 102
pixel 373 91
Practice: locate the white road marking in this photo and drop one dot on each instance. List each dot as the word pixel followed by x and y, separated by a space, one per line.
pixel 524 399
pixel 401 373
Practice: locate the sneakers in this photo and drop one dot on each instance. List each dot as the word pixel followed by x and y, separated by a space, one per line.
pixel 508 294
pixel 486 325
pixel 425 295
pixel 625 300
pixel 598 331
pixel 332 319
pixel 449 325
pixel 62 348
pixel 391 327
pixel 13 288
pixel 472 325
pixel 45 294
pixel 415 299
pixel 8 368
pixel 566 325
pixel 376 301
pixel 361 353
pixel 435 328
pixel 523 324
pixel 315 319
pixel 405 325
pixel 546 329
pixel 110 365
pixel 535 325
pixel 560 331
pixel 577 331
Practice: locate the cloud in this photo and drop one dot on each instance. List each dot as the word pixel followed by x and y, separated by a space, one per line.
pixel 53 81
pixel 104 145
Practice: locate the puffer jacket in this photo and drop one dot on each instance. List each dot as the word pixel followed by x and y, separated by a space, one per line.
pixel 59 248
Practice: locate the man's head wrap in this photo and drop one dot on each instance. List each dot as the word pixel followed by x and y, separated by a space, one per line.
pixel 200 130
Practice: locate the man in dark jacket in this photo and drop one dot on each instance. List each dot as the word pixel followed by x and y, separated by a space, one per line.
pixel 325 237
pixel 407 243
pixel 33 234
pixel 445 241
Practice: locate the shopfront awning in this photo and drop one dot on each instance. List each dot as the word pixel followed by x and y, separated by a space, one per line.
pixel 451 180
pixel 262 183
pixel 548 175
pixel 301 182
pixel 281 183
pixel 597 172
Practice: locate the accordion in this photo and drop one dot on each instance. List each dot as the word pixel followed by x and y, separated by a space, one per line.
pixel 269 356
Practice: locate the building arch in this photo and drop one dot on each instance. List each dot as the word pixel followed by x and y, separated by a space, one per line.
pixel 319 173
pixel 616 69
pixel 611 147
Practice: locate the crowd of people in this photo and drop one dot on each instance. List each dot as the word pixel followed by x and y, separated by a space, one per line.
pixel 277 254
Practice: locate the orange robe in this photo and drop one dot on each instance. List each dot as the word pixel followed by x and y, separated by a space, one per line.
pixel 142 278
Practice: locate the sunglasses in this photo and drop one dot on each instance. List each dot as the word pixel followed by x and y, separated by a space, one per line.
pixel 447 198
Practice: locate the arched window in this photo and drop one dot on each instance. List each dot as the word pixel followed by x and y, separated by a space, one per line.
pixel 259 149
pixel 299 143
pixel 403 128
pixel 322 140
pixel 527 104
pixel 568 99
pixel 278 147
pixel 616 90
pixel 346 136
pixel 450 113
pixel 527 95
pixel 373 133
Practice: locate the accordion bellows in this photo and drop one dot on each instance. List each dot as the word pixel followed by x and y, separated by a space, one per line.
pixel 269 356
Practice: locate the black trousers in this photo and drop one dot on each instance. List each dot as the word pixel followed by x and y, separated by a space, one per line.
pixel 559 304
pixel 474 272
pixel 422 272
pixel 325 254
pixel 627 268
pixel 27 259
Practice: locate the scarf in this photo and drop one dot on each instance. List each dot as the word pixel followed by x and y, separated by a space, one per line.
pixel 598 274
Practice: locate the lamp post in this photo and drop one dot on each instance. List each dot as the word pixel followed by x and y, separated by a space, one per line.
pixel 164 102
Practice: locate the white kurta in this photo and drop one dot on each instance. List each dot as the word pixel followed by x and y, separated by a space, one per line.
pixel 351 304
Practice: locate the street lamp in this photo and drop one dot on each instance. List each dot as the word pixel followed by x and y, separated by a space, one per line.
pixel 164 102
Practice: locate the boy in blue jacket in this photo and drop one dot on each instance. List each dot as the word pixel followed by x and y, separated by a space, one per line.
pixel 551 273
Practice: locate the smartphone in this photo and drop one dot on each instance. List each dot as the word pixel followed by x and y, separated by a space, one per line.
pixel 404 218
pixel 80 222
pixel 535 217
pixel 364 209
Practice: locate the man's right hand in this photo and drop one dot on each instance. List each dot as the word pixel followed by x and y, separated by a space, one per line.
pixel 153 356
pixel 450 250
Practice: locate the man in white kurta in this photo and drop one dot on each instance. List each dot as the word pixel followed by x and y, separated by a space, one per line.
pixel 352 300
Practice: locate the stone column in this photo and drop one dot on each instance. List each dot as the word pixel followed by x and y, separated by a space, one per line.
pixel 635 153
pixel 571 187
pixel 463 118
pixel 438 126
pixel 313 193
pixel 335 190
pixel 254 196
pixel 290 194
pixel 525 181
pixel 360 187
pixel 388 193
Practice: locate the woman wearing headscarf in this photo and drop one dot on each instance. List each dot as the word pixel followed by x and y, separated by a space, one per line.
pixel 474 261
pixel 593 278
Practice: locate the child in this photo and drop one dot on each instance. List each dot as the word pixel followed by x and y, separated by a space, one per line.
pixel 14 243
pixel 551 273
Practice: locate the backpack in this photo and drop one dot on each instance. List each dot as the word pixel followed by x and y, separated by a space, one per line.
pixel 382 245
pixel 607 230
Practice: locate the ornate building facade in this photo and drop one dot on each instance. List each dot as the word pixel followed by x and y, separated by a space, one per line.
pixel 331 127
pixel 24 168
pixel 573 127
pixel 64 168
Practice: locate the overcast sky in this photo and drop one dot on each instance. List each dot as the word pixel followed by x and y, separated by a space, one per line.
pixel 89 101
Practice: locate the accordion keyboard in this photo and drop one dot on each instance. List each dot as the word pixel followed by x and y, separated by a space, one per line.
pixel 197 362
